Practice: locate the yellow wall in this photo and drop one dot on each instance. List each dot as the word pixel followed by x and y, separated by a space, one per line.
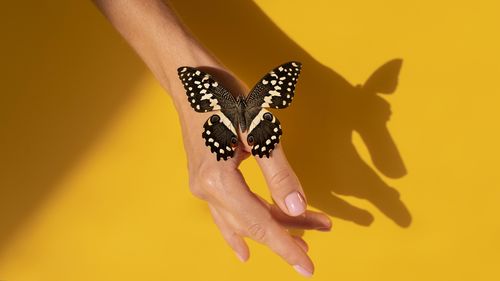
pixel 93 183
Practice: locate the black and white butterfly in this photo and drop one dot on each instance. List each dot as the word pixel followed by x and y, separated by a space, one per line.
pixel 274 90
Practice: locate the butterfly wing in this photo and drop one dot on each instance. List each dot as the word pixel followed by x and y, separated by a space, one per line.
pixel 206 94
pixel 220 135
pixel 384 80
pixel 264 133
pixel 277 88
pixel 203 92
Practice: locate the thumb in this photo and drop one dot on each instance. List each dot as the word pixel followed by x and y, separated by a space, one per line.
pixel 283 183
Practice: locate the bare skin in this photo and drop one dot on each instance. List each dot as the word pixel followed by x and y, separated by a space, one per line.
pixel 157 35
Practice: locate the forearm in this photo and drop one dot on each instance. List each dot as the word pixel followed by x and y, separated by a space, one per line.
pixel 164 44
pixel 157 35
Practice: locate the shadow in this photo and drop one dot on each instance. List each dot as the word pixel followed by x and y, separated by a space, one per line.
pixel 67 72
pixel 318 128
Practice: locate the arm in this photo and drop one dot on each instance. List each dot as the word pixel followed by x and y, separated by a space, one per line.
pixel 160 39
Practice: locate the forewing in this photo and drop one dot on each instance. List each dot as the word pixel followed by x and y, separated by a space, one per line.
pixel 264 133
pixel 277 88
pixel 203 92
pixel 384 80
pixel 220 135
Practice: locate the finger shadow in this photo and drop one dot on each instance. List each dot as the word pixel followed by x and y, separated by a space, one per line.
pixel 319 127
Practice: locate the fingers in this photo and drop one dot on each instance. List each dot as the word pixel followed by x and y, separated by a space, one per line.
pixel 301 243
pixel 283 183
pixel 248 216
pixel 309 220
pixel 235 241
pixel 291 249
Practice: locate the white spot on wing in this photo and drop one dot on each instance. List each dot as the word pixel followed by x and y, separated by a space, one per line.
pixel 274 93
pixel 214 103
pixel 206 96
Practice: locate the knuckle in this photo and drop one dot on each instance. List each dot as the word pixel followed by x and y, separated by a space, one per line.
pixel 281 177
pixel 205 182
pixel 257 231
pixel 197 190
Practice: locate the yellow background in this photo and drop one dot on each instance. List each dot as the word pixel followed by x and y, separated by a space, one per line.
pixel 93 184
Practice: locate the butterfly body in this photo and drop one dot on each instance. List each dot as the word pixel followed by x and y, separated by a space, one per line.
pixel 246 113
pixel 241 115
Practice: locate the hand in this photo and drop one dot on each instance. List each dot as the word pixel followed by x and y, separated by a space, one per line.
pixel 237 211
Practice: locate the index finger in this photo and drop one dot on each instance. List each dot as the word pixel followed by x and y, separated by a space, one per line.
pixel 283 183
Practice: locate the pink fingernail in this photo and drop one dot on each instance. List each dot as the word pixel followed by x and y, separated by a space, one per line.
pixel 295 203
pixel 240 257
pixel 302 271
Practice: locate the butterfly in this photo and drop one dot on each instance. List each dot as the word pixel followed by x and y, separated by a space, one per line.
pixel 275 90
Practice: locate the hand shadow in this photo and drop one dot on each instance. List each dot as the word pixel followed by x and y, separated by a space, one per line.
pixel 327 109
pixel 319 144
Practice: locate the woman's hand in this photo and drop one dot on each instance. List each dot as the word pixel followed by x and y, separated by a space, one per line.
pixel 157 35
pixel 237 211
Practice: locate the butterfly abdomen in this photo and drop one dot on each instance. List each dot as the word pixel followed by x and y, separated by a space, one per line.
pixel 241 108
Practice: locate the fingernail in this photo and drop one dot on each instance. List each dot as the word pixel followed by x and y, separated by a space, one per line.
pixel 302 271
pixel 327 225
pixel 240 257
pixel 295 203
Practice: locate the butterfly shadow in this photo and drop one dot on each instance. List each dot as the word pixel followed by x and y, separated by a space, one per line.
pixel 327 109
